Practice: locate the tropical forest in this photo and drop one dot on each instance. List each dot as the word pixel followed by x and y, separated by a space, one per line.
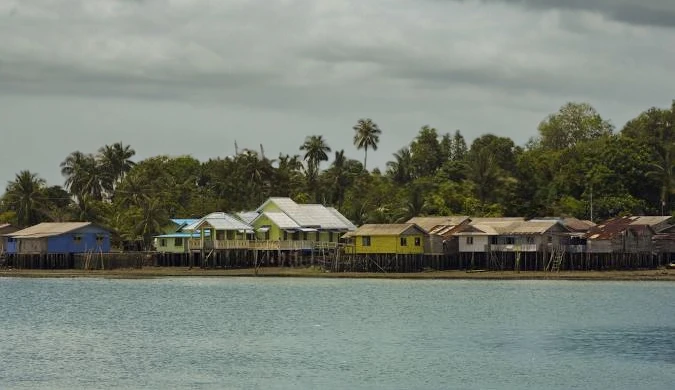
pixel 579 165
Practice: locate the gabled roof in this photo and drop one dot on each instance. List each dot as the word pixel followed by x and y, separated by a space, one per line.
pixel 349 225
pixel 511 227
pixel 429 223
pixel 617 226
pixel 280 219
pixel 219 221
pixel 247 216
pixel 530 227
pixel 52 229
pixel 477 230
pixel 391 229
pixel 310 215
pixel 656 222
pixel 577 225
pixel 183 221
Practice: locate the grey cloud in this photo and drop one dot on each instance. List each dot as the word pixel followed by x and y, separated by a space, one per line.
pixel 319 65
pixel 639 12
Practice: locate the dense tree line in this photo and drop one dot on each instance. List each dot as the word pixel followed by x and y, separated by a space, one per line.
pixel 576 166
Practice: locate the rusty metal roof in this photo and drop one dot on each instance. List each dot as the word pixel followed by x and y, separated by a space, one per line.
pixel 617 226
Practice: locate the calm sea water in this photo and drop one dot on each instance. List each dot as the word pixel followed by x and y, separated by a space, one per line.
pixel 250 333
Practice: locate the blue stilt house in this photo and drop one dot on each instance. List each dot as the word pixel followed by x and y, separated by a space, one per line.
pixel 59 238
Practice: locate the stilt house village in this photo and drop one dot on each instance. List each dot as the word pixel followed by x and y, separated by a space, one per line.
pixel 580 194
pixel 282 232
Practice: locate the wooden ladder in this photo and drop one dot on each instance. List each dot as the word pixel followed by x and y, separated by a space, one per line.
pixel 557 258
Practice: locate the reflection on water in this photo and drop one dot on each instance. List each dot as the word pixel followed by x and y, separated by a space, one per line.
pixel 268 333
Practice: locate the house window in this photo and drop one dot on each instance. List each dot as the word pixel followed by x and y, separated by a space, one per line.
pixel 304 236
pixel 162 242
pixel 99 238
pixel 418 241
pixel 285 235
pixel 330 236
pixel 365 241
pixel 404 241
pixel 530 240
pixel 178 241
pixel 220 235
pixel 469 240
pixel 77 238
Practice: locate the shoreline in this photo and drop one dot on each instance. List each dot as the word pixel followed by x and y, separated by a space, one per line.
pixel 164 272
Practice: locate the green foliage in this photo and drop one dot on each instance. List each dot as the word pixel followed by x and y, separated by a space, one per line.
pixel 367 135
pixel 572 124
pixel 575 165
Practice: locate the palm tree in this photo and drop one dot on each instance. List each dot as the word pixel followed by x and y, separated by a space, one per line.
pixel 24 196
pixel 367 136
pixel 84 176
pixel 400 170
pixel 316 150
pixel 115 160
pixel 150 217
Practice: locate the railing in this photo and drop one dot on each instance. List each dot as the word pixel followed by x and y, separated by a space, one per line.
pixel 196 244
pixel 514 247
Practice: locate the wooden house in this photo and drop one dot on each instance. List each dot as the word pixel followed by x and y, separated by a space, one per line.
pixel 509 242
pixel 405 239
pixel 5 229
pixel 59 238
pixel 298 226
pixel 440 229
pixel 219 231
pixel 622 235
pixel 175 239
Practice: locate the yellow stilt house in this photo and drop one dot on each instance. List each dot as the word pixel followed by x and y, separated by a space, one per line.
pixel 403 239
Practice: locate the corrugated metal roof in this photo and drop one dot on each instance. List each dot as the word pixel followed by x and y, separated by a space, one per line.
pixel 349 225
pixel 49 229
pixel 282 220
pixel 181 235
pixel 220 221
pixel 248 216
pixel 392 229
pixel 183 221
pixel 529 227
pixel 429 223
pixel 616 226
pixel 477 230
pixel 651 220
pixel 311 215
pixel 577 224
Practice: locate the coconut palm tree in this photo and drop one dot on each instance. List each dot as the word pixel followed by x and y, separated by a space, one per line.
pixel 84 176
pixel 149 217
pixel 115 160
pixel 24 196
pixel 316 150
pixel 367 135
pixel 401 170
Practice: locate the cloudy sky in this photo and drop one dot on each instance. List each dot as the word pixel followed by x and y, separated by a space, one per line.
pixel 192 76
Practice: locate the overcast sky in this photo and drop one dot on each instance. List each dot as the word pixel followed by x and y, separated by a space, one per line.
pixel 192 76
